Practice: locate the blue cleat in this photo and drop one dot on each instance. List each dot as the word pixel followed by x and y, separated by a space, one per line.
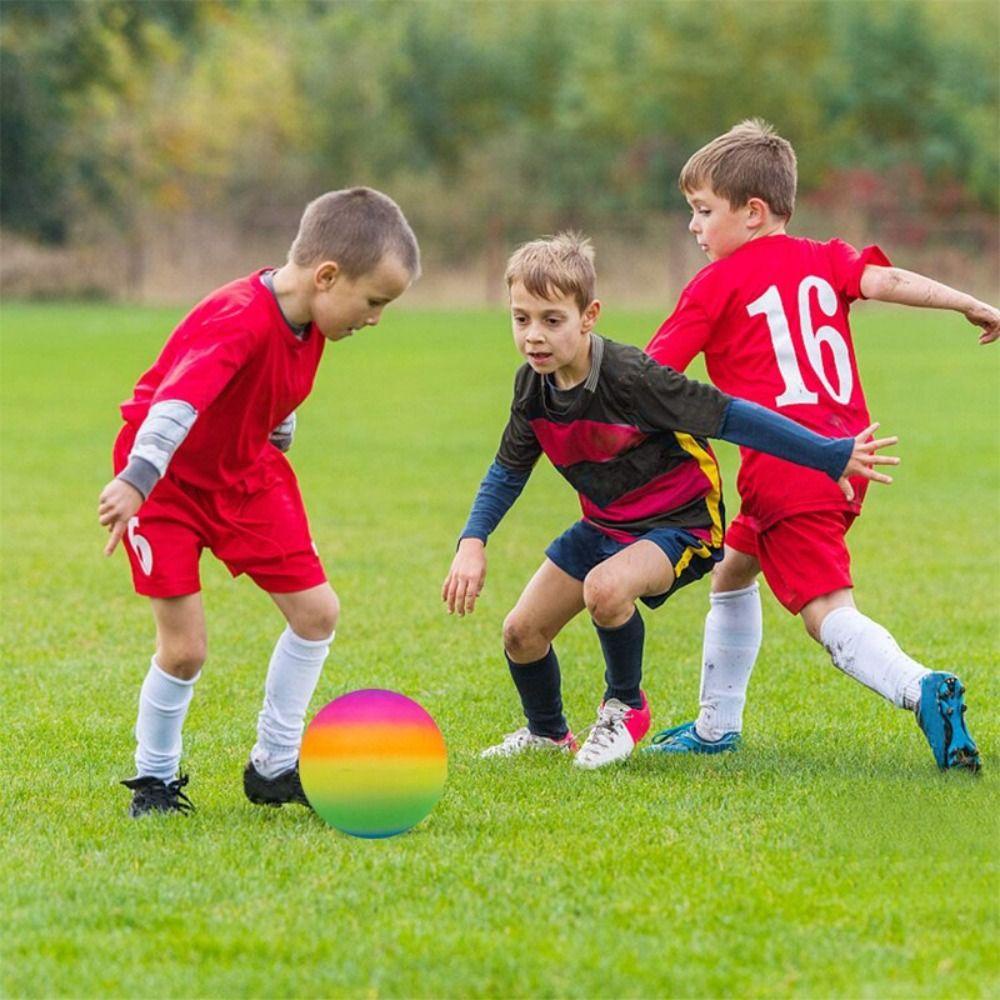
pixel 941 716
pixel 685 739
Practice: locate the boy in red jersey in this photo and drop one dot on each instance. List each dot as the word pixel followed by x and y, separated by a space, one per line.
pixel 770 313
pixel 628 435
pixel 200 464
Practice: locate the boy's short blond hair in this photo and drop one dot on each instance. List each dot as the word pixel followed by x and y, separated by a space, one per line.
pixel 355 227
pixel 562 263
pixel 750 161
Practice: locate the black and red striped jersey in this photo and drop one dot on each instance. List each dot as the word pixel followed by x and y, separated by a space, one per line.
pixel 630 440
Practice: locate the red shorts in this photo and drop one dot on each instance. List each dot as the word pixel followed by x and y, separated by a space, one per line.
pixel 258 527
pixel 802 557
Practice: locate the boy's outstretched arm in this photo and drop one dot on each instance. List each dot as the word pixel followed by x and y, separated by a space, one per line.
pixel 500 487
pixel 753 426
pixel 893 284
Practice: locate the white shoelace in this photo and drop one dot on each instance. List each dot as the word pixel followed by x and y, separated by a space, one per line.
pixel 519 738
pixel 610 718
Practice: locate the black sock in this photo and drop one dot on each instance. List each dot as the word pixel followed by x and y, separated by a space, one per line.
pixel 539 686
pixel 623 660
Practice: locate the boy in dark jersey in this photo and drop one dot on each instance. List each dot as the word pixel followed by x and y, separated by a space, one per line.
pixel 200 464
pixel 629 436
pixel 770 313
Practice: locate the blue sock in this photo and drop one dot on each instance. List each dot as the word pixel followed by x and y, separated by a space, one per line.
pixel 623 660
pixel 540 688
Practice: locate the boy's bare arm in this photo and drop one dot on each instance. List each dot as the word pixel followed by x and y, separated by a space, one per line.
pixel 893 284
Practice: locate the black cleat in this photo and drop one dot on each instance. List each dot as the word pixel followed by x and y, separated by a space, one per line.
pixel 285 788
pixel 151 794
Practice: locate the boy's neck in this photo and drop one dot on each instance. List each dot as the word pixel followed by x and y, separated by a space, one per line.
pixel 291 288
pixel 576 372
pixel 775 228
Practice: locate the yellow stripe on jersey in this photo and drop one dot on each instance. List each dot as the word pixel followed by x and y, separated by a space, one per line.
pixel 713 499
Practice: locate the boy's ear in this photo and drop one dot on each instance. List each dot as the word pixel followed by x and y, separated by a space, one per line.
pixel 590 315
pixel 758 211
pixel 326 274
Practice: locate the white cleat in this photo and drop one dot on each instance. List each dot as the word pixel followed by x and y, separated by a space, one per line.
pixel 523 740
pixel 615 734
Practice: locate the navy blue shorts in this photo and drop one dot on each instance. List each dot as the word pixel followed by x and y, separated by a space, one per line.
pixel 582 547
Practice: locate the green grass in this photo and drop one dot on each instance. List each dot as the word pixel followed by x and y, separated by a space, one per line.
pixel 828 858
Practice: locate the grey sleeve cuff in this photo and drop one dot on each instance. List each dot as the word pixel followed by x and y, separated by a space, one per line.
pixel 282 435
pixel 141 474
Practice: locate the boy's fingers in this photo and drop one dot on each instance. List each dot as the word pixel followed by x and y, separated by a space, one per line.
pixel 846 487
pixel 883 442
pixel 116 534
pixel 868 431
pixel 879 477
pixel 460 597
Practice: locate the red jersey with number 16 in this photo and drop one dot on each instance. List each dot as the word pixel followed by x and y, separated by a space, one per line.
pixel 772 321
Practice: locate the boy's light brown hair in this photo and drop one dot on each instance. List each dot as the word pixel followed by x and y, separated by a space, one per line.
pixel 563 263
pixel 750 161
pixel 356 227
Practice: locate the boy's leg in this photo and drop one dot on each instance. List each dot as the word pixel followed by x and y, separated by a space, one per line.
pixel 292 676
pixel 807 563
pixel 642 569
pixel 732 639
pixel 866 651
pixel 610 591
pixel 863 649
pixel 169 685
pixel 550 600
pixel 267 537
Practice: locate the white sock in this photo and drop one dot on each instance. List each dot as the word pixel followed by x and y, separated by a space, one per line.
pixel 163 704
pixel 295 667
pixel 733 633
pixel 864 650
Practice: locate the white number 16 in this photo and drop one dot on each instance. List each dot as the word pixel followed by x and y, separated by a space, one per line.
pixel 769 306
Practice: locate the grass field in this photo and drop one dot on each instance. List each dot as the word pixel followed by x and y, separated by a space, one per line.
pixel 828 858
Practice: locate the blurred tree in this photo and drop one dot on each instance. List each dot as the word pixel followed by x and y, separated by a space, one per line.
pixel 485 113
pixel 68 67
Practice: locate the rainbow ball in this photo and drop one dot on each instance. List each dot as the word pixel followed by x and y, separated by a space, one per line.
pixel 373 763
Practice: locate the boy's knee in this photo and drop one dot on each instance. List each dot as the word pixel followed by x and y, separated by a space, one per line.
pixel 182 658
pixel 318 619
pixel 735 572
pixel 604 598
pixel 522 642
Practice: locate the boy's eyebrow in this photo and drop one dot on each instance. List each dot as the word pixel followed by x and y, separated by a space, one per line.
pixel 551 310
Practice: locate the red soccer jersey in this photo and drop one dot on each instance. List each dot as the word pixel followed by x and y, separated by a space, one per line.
pixel 235 359
pixel 772 320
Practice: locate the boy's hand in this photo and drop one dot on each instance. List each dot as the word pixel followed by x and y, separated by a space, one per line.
pixel 465 579
pixel 118 502
pixel 863 458
pixel 981 314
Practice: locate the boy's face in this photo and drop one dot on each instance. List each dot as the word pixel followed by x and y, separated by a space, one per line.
pixel 552 334
pixel 341 305
pixel 717 226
